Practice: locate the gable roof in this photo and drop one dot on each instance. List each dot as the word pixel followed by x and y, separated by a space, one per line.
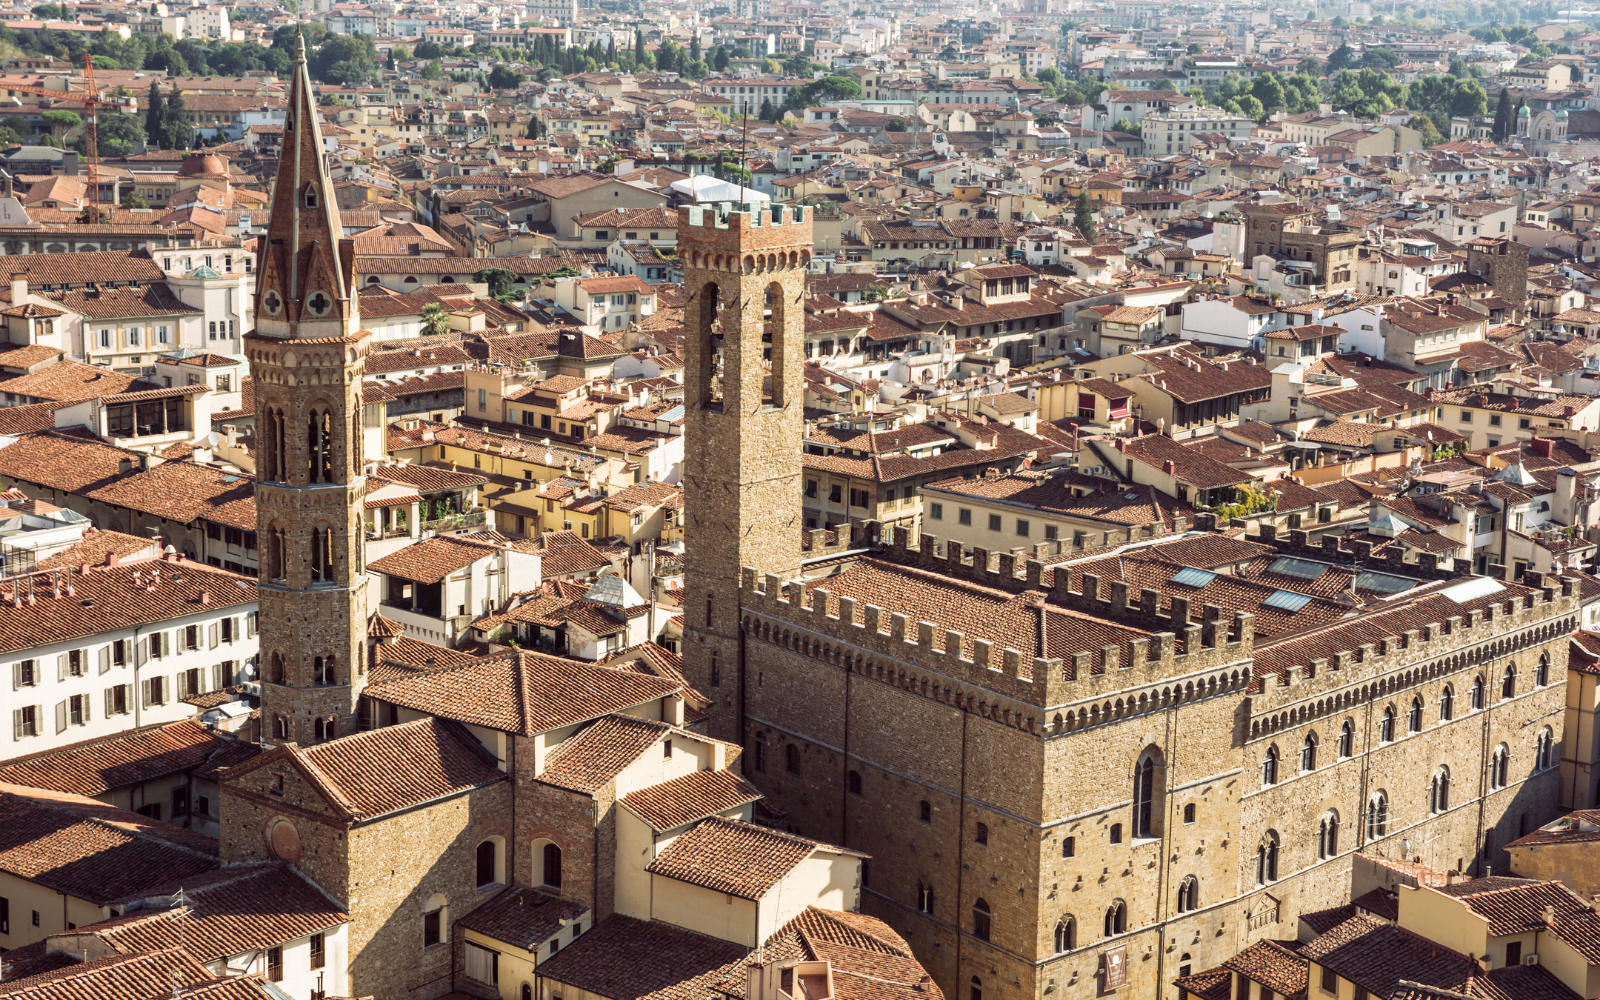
pixel 736 858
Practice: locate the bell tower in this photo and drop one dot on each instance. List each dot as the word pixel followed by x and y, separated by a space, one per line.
pixel 744 270
pixel 308 357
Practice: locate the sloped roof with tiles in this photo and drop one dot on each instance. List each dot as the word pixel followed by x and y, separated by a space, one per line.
pixel 690 797
pixel 183 492
pixel 73 380
pixel 869 961
pixel 588 761
pixel 368 775
pixel 523 917
pixel 94 767
pixel 96 548
pixel 523 693
pixel 1375 956
pixel 68 460
pixel 112 598
pixel 432 560
pixel 1272 965
pixel 61 269
pixel 83 848
pixel 627 959
pixel 154 974
pixel 733 857
pixel 1130 504
pixel 228 912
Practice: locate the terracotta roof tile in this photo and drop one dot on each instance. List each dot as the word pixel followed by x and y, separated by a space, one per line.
pixel 94 767
pixel 392 768
pixel 588 761
pixel 688 798
pixel 733 857
pixel 627 959
pixel 523 917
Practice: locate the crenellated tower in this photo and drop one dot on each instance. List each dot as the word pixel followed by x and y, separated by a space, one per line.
pixel 744 269
pixel 308 357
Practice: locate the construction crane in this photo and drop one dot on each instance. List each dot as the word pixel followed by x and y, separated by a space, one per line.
pixel 91 100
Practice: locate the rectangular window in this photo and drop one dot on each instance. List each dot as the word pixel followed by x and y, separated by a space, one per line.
pixel 963 515
pixel 275 964
pixel 483 400
pixel 834 493
pixel 811 488
pixel 319 948
pixel 1051 532
pixel 858 498
pixel 1022 527
pixel 995 522
pixel 119 652
pixel 936 511
pixel 430 928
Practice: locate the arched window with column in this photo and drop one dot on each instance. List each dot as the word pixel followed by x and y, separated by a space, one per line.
pixel 1508 682
pixel 319 445
pixel 1308 753
pixel 1269 767
pixel 1479 689
pixel 1066 934
pixel 1188 894
pixel 1414 717
pixel 1447 704
pixel 1116 918
pixel 1439 790
pixel 1500 766
pixel 1267 858
pixel 1328 836
pixel 1541 672
pixel 1378 815
pixel 1544 755
pixel 1347 739
pixel 1386 725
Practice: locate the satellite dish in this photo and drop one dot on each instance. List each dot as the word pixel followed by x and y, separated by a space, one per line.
pixel 213 439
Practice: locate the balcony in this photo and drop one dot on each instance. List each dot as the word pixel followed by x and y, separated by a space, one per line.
pixel 457 522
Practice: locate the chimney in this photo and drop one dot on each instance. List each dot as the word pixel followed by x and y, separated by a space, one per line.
pixel 1169 467
pixel 19 288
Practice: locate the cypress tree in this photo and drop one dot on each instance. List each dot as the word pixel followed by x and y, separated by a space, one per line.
pixel 1502 116
pixel 1083 218
pixel 155 116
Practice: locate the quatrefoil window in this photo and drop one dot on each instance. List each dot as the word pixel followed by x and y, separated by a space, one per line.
pixel 319 303
pixel 272 301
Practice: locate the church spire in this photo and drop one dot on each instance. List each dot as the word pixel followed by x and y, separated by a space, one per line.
pixel 305 289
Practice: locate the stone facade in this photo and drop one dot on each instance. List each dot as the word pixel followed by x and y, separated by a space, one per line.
pixel 1293 231
pixel 743 400
pixel 1028 815
pixel 308 357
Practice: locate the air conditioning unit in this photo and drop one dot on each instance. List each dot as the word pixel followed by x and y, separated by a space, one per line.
pixel 1530 959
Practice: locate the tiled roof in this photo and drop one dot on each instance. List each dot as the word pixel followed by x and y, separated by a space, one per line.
pixel 68 380
pixel 588 761
pixel 627 959
pixel 70 461
pixel 94 767
pixel 59 269
pixel 690 797
pixel 1272 965
pixel 228 911
pixel 733 857
pixel 430 478
pixel 183 492
pixel 123 977
pixel 112 598
pixel 563 553
pixel 95 547
pixel 383 770
pixel 522 917
pixel 83 848
pixel 432 560
pixel 523 693
pixel 869 960
pixel 1376 956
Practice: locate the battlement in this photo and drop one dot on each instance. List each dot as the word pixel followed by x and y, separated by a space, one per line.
pixel 1355 554
pixel 714 237
pixel 742 215
pixel 1480 636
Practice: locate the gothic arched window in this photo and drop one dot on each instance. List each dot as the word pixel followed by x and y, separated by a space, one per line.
pixel 1308 753
pixel 1439 790
pixel 1377 816
pixel 1144 796
pixel 1269 767
pixel 1328 836
pixel 1066 935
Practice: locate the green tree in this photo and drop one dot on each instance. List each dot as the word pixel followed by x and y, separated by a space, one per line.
pixel 502 283
pixel 1268 89
pixel 895 125
pixel 434 319
pixel 61 121
pixel 117 135
pixel 49 12
pixel 429 50
pixel 501 78
pixel 694 46
pixel 768 113
pixel 769 65
pixel 1083 218
pixel 1502 116
pixel 1429 135
pixel 433 71
pixel 1380 58
pixel 1311 65
pixel 1365 94
pixel 829 88
pixel 1125 126
pixel 719 60
pixel 400 53
pixel 798 64
pixel 1341 59
pixel 345 60
pixel 1444 97
pixel 670 56
pixel 177 127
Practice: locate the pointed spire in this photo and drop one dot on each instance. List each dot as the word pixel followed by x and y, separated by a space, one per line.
pixel 308 268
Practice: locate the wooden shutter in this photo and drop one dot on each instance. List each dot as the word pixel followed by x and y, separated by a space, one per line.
pixel 234 631
pixel 61 716
pixel 217 682
pixel 16 676
pixel 87 703
pixel 105 658
pixel 61 666
pixel 16 723
pixel 111 705
pixel 144 693
pixel 215 631
pixel 166 645
pixel 253 623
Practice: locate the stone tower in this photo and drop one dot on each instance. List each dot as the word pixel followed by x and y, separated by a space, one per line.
pixel 744 277
pixel 308 356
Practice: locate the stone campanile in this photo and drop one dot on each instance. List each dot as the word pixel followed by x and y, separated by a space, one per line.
pixel 744 270
pixel 308 356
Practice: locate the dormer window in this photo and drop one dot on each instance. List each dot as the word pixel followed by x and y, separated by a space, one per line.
pixel 311 197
